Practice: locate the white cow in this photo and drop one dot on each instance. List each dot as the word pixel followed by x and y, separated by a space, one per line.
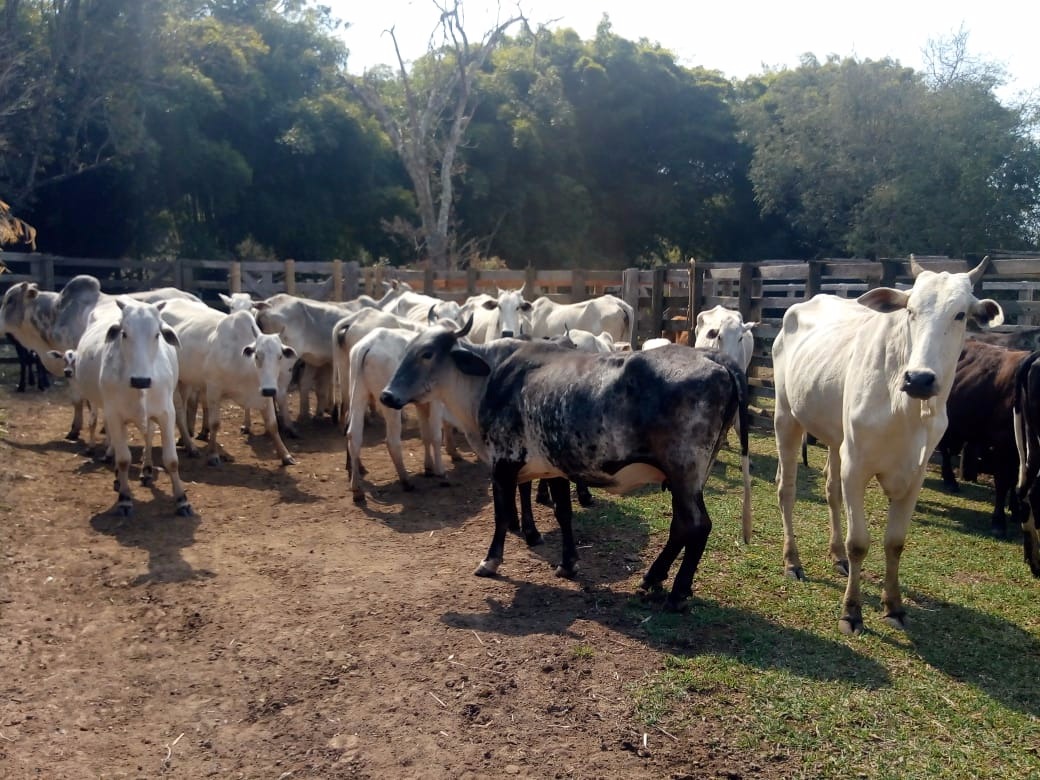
pixel 239 301
pixel 127 364
pixel 374 359
pixel 605 313
pixel 585 341
pixel 222 356
pixel 507 315
pixel 725 330
pixel 416 307
pixel 869 378
pixel 655 343
pixel 306 326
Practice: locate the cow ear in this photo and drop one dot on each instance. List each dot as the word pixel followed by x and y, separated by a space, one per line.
pixel 249 350
pixel 160 305
pixel 170 337
pixel 226 299
pixel 261 305
pixel 492 304
pixel 987 312
pixel 288 352
pixel 113 332
pixel 469 362
pixel 884 299
pixel 53 353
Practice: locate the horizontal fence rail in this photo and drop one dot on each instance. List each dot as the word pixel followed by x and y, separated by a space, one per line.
pixel 666 299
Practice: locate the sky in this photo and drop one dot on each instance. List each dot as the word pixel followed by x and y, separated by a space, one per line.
pixel 737 38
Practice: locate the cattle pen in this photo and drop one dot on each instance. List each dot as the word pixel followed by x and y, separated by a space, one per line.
pixel 666 299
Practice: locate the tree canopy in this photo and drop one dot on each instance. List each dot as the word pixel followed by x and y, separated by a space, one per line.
pixel 218 127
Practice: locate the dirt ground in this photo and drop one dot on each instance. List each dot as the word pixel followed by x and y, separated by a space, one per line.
pixel 284 632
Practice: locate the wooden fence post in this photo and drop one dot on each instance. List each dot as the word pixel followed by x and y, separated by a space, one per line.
pixel 579 290
pixel 657 301
pixel 814 281
pixel 428 279
pixel 235 277
pixel 376 282
pixel 531 282
pixel 630 294
pixel 290 276
pixel 696 297
pixel 352 280
pixel 337 280
pixel 747 275
pixel 471 281
pixel 890 269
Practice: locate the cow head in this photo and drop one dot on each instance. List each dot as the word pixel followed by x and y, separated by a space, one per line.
pixel 68 360
pixel 936 311
pixel 513 313
pixel 136 335
pixel 273 362
pixel 237 302
pixel 722 329
pixel 15 305
pixel 428 364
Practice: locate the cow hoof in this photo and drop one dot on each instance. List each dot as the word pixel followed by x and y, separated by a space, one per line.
pixel 652 591
pixel 795 573
pixel 456 458
pixel 147 480
pixel 292 433
pixel 407 487
pixel 952 487
pixel 184 510
pixel 288 460
pixel 488 567
pixel 115 485
pixel 72 435
pixel 359 496
pixel 850 626
pixel 841 566
pixel 124 509
pixel 544 500
pixel 998 530
pixel 213 460
pixel 245 429
pixel 586 500
pixel 566 573
pixel 192 452
pixel 533 538
pixel 203 436
pixel 896 619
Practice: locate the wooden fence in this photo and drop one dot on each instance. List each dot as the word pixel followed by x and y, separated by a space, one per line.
pixel 665 298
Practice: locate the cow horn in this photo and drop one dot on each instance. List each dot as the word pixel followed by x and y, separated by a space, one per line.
pixel 976 273
pixel 915 267
pixel 431 315
pixel 465 328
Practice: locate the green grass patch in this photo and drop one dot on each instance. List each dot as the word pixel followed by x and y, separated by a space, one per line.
pixel 957 695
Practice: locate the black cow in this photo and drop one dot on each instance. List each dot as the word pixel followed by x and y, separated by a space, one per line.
pixel 980 411
pixel 617 421
pixel 1027 436
pixel 30 367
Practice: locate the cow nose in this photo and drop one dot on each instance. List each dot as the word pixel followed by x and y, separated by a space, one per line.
pixel 140 382
pixel 269 392
pixel 390 400
pixel 919 384
pixel 507 334
pixel 68 372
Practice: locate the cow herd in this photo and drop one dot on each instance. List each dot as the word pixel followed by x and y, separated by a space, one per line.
pixel 553 392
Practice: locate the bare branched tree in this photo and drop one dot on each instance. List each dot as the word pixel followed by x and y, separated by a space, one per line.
pixel 948 61
pixel 14 230
pixel 429 122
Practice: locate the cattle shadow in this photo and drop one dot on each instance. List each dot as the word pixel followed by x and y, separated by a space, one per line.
pixel 994 658
pixel 249 476
pixel 154 528
pixel 706 629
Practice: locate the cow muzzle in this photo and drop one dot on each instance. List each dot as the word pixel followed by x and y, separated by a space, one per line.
pixel 920 384
pixel 67 372
pixel 388 399
pixel 140 382
pixel 269 392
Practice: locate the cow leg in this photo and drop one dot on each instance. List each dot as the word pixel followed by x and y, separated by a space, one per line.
pixel 181 411
pixel 788 438
pixel 560 488
pixel 23 368
pixel 147 462
pixel 503 489
pixel 948 477
pixel 857 542
pixel 838 555
pixel 431 417
pixel 271 426
pixel 77 421
pixel 247 421
pixel 585 498
pixel 355 436
pixel 543 496
pixel 448 434
pixel 1003 480
pixel 213 423
pixel 900 511
pixel 394 447
pixel 43 379
pixel 527 526
pixel 1030 535
pixel 121 449
pixel 167 424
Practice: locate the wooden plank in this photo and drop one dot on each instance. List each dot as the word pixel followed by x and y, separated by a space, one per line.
pixel 800 271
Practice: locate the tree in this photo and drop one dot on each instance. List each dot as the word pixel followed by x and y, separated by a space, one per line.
pixel 426 112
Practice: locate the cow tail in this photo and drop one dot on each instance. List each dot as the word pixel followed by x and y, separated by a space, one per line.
pixel 1026 441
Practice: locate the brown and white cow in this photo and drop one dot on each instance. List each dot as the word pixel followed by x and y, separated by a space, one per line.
pixel 869 378
pixel 618 421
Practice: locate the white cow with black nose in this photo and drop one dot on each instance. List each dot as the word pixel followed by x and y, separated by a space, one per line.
pixel 127 365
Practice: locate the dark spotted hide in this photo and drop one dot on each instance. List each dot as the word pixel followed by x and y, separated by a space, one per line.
pixel 615 421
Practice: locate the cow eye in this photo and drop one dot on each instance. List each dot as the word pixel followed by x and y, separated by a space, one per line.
pixel 959 317
pixel 427 354
pixel 713 334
